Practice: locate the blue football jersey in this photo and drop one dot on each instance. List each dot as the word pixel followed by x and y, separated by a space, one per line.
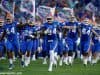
pixel 11 32
pixel 21 34
pixel 73 30
pixel 1 32
pixel 28 30
pixel 86 31
pixel 51 30
pixel 95 38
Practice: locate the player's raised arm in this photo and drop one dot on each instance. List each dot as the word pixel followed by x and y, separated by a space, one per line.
pixel 95 33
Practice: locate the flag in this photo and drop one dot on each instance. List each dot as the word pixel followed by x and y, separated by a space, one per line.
pixel 65 13
pixel 44 11
pixel 28 6
pixel 90 7
pixel 8 6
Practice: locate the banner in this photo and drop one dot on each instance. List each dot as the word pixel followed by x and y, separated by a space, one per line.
pixel 8 6
pixel 44 11
pixel 28 6
pixel 65 13
pixel 90 7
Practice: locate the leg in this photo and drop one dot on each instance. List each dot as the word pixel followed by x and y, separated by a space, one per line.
pixel 70 57
pixel 10 57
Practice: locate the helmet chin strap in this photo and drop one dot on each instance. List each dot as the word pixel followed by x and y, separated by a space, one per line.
pixel 72 20
pixel 86 23
pixel 1 25
pixel 49 22
pixel 9 22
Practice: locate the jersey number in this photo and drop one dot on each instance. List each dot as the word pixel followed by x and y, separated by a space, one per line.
pixel 84 31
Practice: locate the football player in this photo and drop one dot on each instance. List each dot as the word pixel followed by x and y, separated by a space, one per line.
pixel 86 31
pixel 11 41
pixel 1 37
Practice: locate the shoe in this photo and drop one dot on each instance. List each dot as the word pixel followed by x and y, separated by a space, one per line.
pixel 60 63
pixel 44 62
pixel 3 58
pixel 33 59
pixel 50 69
pixel 11 66
pixel 85 65
pixel 22 64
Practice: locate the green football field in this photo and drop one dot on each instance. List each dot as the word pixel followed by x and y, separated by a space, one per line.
pixel 36 68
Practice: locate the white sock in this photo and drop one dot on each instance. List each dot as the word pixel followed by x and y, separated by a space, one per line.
pixel 33 57
pixel 93 61
pixel 51 55
pixel 10 61
pixel 61 61
pixel 89 58
pixel 50 66
pixel 45 60
pixel 81 57
pixel 98 57
pixel 26 61
pixel 73 55
pixel 51 60
pixel 66 58
pixel 85 61
pixel 56 56
pixel 14 59
pixel 70 59
pixel 78 54
pixel 55 62
pixel 23 57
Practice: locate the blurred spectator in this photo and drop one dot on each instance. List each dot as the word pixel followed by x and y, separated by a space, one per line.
pixel 77 5
pixel 52 3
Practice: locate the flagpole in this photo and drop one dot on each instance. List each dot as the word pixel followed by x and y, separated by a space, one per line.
pixel 13 9
pixel 33 14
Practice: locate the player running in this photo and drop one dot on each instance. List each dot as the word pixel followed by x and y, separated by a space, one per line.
pixel 96 45
pixel 11 39
pixel 1 38
pixel 72 34
pixel 86 31
pixel 50 30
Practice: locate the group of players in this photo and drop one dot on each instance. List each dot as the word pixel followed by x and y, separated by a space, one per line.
pixel 52 39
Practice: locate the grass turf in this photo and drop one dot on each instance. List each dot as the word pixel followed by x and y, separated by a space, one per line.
pixel 36 68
